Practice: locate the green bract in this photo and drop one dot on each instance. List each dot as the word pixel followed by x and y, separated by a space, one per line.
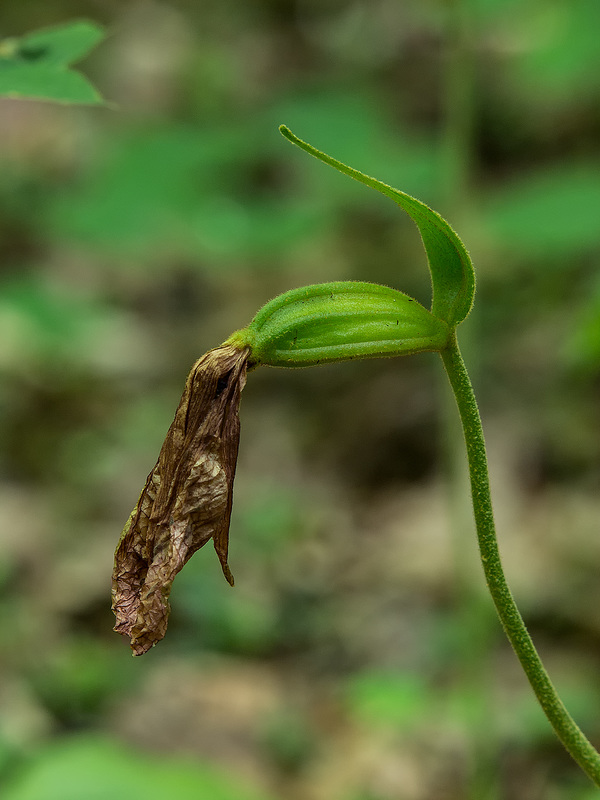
pixel 452 274
pixel 337 322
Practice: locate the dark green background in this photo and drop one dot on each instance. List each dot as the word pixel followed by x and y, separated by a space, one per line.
pixel 358 657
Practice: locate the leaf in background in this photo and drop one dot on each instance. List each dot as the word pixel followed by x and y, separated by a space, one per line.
pixel 581 350
pixel 556 58
pixel 184 190
pixel 35 66
pixel 44 325
pixel 552 212
pixel 62 45
pixel 97 769
pixel 452 274
pixel 214 191
pixel 400 700
pixel 36 82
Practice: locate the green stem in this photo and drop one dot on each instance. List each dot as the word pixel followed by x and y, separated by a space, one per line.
pixel 564 725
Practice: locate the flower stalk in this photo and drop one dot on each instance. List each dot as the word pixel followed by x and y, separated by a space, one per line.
pixel 564 725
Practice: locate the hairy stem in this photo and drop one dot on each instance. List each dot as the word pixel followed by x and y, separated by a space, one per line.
pixel 564 725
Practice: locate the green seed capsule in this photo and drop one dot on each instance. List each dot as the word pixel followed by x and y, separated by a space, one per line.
pixel 337 322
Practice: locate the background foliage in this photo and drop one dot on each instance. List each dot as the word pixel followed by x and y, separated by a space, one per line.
pixel 358 657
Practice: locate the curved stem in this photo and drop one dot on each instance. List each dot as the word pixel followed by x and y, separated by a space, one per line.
pixel 565 727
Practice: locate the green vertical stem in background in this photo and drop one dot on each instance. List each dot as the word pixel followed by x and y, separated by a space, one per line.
pixel 458 105
pixel 565 727
pixel 457 142
pixel 470 609
pixel 457 164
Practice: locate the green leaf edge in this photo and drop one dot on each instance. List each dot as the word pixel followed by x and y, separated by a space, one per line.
pixel 92 33
pixel 95 34
pixel 89 94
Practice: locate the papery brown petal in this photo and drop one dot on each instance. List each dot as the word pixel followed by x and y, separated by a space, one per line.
pixel 187 498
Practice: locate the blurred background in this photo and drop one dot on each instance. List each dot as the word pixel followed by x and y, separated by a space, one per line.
pixel 358 657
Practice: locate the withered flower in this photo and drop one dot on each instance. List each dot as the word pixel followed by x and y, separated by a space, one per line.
pixel 188 495
pixel 186 500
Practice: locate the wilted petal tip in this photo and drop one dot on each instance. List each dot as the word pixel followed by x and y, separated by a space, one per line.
pixel 187 498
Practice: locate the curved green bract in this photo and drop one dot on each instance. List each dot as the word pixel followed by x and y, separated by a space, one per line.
pixel 339 321
pixel 452 275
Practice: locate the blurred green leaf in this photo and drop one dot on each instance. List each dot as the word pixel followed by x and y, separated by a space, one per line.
pixel 61 45
pixel 582 347
pixel 271 518
pixel 401 700
pixel 216 192
pixel 35 66
pixel 36 82
pixel 289 737
pixel 558 59
pixel 181 190
pixel 552 212
pixel 209 615
pixel 75 680
pixel 98 769
pixel 41 324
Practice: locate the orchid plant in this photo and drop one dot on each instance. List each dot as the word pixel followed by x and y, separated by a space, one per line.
pixel 187 498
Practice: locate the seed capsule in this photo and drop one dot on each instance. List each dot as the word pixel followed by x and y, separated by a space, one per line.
pixel 337 322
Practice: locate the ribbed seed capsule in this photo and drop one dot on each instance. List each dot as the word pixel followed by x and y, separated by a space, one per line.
pixel 337 322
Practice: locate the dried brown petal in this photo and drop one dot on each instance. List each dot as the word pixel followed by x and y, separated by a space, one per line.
pixel 186 500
